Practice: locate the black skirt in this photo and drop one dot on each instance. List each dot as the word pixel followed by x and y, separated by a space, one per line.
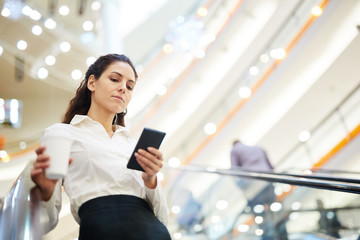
pixel 120 217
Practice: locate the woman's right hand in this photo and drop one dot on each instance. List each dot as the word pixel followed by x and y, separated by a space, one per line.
pixel 45 185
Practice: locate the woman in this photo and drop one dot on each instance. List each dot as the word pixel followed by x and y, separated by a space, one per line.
pixel 108 200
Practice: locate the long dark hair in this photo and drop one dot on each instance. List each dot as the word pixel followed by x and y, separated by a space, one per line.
pixel 80 104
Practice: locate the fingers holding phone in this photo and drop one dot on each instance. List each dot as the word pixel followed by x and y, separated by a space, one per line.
pixel 149 157
pixel 151 160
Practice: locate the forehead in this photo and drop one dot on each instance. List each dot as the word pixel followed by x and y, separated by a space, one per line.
pixel 122 68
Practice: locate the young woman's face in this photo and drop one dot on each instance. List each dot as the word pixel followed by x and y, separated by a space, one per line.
pixel 113 90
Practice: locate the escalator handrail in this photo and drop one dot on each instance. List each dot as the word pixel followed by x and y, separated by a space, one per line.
pixel 299 180
pixel 20 211
pixel 323 177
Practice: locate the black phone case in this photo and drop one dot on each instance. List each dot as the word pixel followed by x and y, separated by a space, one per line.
pixel 148 138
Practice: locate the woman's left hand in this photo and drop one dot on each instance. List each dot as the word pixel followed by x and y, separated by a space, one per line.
pixel 151 161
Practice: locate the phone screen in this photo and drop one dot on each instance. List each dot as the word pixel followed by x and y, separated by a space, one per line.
pixel 148 138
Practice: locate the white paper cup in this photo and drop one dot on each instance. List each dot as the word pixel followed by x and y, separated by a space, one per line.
pixel 58 148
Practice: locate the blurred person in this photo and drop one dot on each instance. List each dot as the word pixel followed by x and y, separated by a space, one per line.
pixel 328 221
pixel 254 158
pixel 108 200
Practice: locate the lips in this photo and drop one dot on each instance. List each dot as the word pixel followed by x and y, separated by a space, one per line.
pixel 119 98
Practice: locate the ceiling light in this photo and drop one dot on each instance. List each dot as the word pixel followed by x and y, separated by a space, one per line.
pixel 76 74
pixel 64 10
pixel 276 206
pixel 244 92
pixel 42 73
pixel 254 70
pixel 65 47
pixel 90 60
pixel 168 48
pixel 1 50
pixel 26 10
pixel 264 58
pixel 202 12
pixel 243 228
pixel 4 156
pixel 210 128
pixel 35 15
pixel 278 53
pixel 50 24
pixel 22 145
pixel 259 208
pixel 259 219
pixel 2 111
pixel 95 5
pixel 175 209
pixel 50 60
pixel 21 45
pixel 88 26
pixel 259 232
pixel 13 9
pixel 36 30
pixel 316 11
pixel 304 136
pixel 15 113
pixel 5 12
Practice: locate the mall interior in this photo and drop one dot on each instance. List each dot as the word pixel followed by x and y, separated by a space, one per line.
pixel 278 74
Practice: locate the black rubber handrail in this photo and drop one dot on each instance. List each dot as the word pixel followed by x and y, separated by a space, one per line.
pixel 327 177
pixel 299 180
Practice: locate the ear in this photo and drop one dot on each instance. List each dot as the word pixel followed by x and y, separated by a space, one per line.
pixel 91 83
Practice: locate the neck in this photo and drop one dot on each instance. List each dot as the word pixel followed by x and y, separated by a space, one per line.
pixel 103 119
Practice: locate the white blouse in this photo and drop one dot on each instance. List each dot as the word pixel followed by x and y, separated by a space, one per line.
pixel 99 168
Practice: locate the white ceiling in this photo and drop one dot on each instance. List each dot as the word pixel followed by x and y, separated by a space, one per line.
pixel 319 71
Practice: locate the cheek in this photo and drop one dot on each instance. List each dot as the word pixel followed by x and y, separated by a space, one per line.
pixel 129 96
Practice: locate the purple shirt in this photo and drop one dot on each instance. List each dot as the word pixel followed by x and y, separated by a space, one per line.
pixel 251 158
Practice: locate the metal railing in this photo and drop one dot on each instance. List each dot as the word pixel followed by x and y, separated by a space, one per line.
pixel 20 211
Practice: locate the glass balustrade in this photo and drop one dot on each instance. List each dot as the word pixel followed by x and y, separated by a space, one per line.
pixel 233 207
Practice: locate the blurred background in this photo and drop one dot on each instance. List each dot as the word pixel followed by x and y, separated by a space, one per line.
pixel 280 74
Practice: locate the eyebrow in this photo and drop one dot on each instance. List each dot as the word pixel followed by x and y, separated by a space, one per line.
pixel 123 76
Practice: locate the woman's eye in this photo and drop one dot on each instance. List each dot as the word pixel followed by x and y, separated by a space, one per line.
pixel 113 79
pixel 129 88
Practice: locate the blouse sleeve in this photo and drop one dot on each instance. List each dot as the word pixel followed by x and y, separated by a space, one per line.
pixel 157 201
pixel 49 216
pixel 51 209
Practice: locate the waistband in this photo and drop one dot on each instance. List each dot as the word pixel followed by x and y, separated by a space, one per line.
pixel 112 201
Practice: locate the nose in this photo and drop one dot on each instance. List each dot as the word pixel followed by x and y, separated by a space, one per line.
pixel 122 86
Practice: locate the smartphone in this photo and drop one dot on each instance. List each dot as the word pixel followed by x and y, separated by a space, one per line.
pixel 148 138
